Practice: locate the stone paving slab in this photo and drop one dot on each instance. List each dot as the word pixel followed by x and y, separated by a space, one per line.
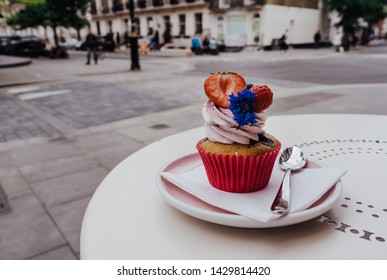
pixel 17 123
pixel 27 231
pixel 288 103
pixel 110 156
pixel 67 188
pixel 61 253
pixel 98 141
pixel 14 183
pixel 147 133
pixel 39 153
pixel 4 161
pixel 68 217
pixel 37 172
pixel 172 120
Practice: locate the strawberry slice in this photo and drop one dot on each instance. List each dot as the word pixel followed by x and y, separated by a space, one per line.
pixel 264 97
pixel 220 85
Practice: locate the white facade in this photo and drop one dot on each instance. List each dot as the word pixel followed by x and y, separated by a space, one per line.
pixel 301 23
pixel 235 27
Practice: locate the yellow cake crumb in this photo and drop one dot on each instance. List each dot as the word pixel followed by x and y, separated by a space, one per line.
pixel 238 149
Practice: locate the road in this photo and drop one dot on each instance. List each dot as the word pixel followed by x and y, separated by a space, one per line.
pixel 54 97
pixel 328 68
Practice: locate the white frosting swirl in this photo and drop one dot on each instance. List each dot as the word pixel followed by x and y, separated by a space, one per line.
pixel 220 126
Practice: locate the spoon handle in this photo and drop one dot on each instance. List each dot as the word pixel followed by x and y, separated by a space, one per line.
pixel 282 201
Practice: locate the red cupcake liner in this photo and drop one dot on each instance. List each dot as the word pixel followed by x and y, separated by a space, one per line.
pixel 238 174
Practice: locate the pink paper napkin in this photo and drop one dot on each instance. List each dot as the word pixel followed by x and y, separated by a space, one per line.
pixel 307 186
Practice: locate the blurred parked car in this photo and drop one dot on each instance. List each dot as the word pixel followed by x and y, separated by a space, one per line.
pixel 104 43
pixel 3 42
pixel 72 44
pixel 22 45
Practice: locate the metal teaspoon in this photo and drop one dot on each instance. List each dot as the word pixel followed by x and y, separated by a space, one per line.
pixel 291 159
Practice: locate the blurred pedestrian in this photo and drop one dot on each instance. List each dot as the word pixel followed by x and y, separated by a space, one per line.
pixel 144 45
pixel 345 42
pixel 213 46
pixel 156 40
pixel 118 39
pixel 109 45
pixel 91 45
pixel 126 39
pixel 196 46
pixel 206 42
pixel 317 39
pixel 151 41
pixel 284 41
pixel 337 41
pixel 256 41
pixel 355 40
pixel 167 33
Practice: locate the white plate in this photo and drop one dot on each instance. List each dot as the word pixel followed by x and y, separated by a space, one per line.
pixel 195 207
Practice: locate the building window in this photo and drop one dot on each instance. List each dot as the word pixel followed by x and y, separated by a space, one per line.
pixel 167 33
pixel 98 27
pixel 138 26
pixel 167 20
pixel 256 27
pixel 181 25
pixel 224 4
pixel 93 8
pixel 198 23
pixel 311 4
pixel 157 3
pixel 117 5
pixel 149 21
pixel 141 4
pixel 110 26
pixel 105 6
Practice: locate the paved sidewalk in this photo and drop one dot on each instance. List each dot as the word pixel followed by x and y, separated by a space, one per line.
pixel 50 182
pixel 50 176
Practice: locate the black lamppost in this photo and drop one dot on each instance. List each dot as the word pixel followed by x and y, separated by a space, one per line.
pixel 133 39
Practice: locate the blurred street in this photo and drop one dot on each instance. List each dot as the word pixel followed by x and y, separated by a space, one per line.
pixel 64 125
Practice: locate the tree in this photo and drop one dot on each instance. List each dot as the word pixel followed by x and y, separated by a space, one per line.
pixel 350 11
pixel 32 15
pixel 65 13
pixel 51 13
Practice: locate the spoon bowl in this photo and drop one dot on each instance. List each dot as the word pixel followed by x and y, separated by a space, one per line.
pixel 291 159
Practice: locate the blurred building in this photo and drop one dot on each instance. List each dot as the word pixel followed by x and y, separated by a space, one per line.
pixel 236 23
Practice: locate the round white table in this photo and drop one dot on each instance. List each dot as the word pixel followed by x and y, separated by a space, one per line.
pixel 128 218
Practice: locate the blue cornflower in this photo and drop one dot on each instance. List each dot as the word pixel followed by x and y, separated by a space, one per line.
pixel 242 106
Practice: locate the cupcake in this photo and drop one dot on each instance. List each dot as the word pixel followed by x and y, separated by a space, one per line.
pixel 237 154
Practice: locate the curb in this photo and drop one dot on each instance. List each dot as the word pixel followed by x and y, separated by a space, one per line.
pixel 16 63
